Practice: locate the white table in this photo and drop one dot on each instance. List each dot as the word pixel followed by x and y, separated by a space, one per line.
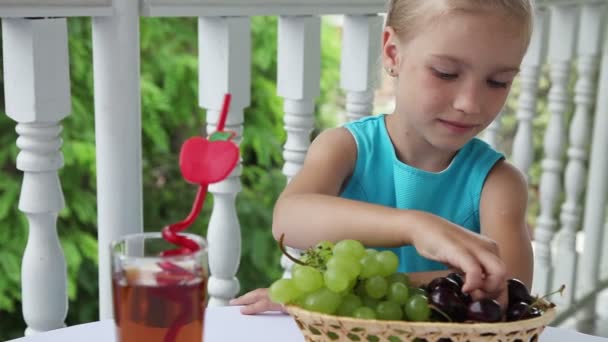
pixel 226 324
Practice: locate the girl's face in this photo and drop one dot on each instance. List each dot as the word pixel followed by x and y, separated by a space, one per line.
pixel 454 75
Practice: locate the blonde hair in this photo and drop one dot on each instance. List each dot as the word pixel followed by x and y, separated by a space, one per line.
pixel 404 15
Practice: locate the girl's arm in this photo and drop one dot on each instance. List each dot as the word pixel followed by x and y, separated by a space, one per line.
pixel 504 199
pixel 309 210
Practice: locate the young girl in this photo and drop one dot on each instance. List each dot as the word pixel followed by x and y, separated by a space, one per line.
pixel 418 181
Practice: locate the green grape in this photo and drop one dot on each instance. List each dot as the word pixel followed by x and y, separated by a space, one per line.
pixel 369 301
pixel 389 262
pixel 369 266
pixel 283 291
pixel 388 310
pixel 336 279
pixel 323 300
pixel 376 287
pixel 349 304
pixel 346 263
pixel 360 289
pixel 351 248
pixel 398 293
pixel 416 291
pixel 351 285
pixel 398 277
pixel 365 313
pixel 325 245
pixel 307 278
pixel 324 249
pixel 371 251
pixel 417 308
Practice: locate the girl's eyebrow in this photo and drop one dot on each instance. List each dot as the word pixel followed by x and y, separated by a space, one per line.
pixel 498 70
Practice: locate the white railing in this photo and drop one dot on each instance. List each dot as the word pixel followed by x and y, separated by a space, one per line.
pixel 569 36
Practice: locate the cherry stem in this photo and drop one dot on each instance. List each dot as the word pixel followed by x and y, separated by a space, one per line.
pixel 289 256
pixel 560 290
pixel 441 312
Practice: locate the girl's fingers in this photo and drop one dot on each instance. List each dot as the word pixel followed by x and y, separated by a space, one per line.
pixel 471 268
pixel 260 306
pixel 495 273
pixel 250 297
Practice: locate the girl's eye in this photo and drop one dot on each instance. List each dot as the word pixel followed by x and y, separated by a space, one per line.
pixel 444 75
pixel 496 84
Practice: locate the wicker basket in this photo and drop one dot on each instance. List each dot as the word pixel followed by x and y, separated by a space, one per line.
pixel 320 327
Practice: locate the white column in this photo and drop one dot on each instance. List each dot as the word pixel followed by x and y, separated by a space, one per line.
pixel 224 67
pixel 360 63
pixel 561 46
pixel 523 144
pixel 594 256
pixel 298 82
pixel 37 92
pixel 589 46
pixel 117 134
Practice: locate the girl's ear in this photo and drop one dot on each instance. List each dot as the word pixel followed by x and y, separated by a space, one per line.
pixel 390 51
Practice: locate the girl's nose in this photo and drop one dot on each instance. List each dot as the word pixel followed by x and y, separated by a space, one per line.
pixel 468 99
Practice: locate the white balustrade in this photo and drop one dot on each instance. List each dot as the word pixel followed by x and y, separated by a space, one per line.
pixel 561 46
pixel 523 144
pixel 594 255
pixel 589 47
pixel 360 63
pixel 224 67
pixel 38 98
pixel 117 134
pixel 37 91
pixel 299 72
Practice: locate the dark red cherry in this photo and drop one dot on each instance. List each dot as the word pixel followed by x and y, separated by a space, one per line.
pixel 456 277
pixel 516 311
pixel 518 292
pixel 484 310
pixel 443 282
pixel 450 303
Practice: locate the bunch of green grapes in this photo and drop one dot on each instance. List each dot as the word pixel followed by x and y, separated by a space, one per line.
pixel 346 279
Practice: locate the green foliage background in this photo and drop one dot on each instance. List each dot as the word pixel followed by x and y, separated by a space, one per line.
pixel 170 114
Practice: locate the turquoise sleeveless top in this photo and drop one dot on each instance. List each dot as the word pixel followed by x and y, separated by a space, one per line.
pixel 381 178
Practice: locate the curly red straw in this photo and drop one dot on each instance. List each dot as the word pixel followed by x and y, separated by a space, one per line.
pixel 170 232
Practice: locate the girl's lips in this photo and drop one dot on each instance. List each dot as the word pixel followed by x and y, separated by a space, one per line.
pixel 457 127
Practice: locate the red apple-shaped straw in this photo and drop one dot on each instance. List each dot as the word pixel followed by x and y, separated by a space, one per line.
pixel 203 162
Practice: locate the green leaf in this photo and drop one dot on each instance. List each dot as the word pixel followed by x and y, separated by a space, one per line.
pixel 8 199
pixel 11 268
pixel 221 136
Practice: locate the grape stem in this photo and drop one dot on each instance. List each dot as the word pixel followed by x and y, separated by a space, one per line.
pixel 439 311
pixel 289 256
pixel 540 305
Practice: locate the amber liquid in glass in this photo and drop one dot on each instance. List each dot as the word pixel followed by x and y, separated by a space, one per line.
pixel 159 313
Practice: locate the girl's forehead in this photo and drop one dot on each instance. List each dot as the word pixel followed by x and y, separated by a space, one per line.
pixel 472 35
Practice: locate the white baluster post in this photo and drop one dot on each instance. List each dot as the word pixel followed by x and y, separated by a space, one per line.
pixel 596 199
pixel 224 67
pixel 37 92
pixel 298 74
pixel 589 46
pixel 360 63
pixel 523 144
pixel 561 46
pixel 117 135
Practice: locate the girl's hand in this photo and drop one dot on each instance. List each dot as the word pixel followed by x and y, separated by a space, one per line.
pixel 256 301
pixel 475 255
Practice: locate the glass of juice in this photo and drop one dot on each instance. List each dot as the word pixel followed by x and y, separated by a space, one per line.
pixel 158 298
